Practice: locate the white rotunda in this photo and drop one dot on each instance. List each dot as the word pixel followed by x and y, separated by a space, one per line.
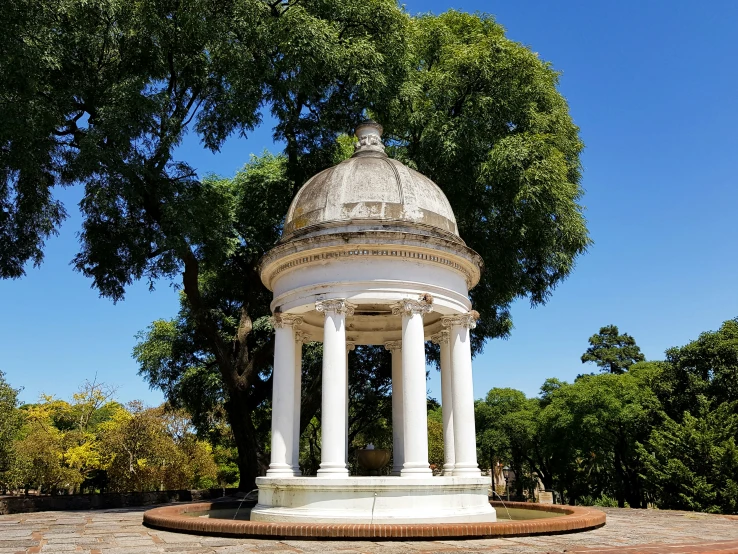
pixel 371 255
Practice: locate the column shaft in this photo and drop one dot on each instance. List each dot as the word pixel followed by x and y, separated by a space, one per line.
pixel 398 446
pixel 333 410
pixel 299 338
pixel 349 347
pixel 462 387
pixel 283 394
pixel 414 400
pixel 449 457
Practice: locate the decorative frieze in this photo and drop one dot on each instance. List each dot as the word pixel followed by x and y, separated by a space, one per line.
pixel 280 320
pixel 302 337
pixel 393 345
pixel 337 306
pixel 371 252
pixel 468 320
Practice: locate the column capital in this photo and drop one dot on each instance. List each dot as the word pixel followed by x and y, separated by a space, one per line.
pixel 338 306
pixel 393 345
pixel 408 306
pixel 468 320
pixel 441 337
pixel 280 320
pixel 350 345
pixel 302 337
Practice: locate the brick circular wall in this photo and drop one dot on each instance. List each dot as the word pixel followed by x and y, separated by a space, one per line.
pixel 175 518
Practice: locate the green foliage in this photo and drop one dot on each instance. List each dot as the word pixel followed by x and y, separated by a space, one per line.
pixel 481 116
pixel 600 420
pixel 94 443
pixel 692 460
pixel 704 474
pixel 612 351
pixel 11 419
pixel 151 449
pixel 99 94
pixel 603 501
pixel 662 432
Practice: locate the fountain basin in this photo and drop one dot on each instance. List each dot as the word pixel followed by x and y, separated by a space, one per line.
pixel 196 519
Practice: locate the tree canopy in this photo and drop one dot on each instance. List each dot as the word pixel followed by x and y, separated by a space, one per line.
pixel 99 94
pixel 612 351
pixel 663 433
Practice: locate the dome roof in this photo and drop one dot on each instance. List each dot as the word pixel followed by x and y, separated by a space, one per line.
pixel 370 191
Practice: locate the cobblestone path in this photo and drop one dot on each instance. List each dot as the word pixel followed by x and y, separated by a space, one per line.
pixel 121 532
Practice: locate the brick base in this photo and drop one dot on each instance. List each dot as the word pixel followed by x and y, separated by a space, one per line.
pixel 573 518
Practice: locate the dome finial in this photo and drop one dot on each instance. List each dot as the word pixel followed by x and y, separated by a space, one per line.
pixel 369 135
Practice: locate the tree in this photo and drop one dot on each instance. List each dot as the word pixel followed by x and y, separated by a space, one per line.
pixel 692 459
pixel 10 423
pixel 151 448
pixel 122 81
pixel 604 418
pixel 693 464
pixel 612 351
pixel 482 117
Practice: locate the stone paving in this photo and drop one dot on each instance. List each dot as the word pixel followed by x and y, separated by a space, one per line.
pixel 121 532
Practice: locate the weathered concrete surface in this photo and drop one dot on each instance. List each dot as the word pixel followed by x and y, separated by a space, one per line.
pixel 121 532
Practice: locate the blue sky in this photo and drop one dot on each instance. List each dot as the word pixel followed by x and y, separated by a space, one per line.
pixel 653 87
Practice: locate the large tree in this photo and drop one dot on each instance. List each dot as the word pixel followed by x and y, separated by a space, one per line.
pixel 122 81
pixel 692 459
pixel 612 351
pixel 10 422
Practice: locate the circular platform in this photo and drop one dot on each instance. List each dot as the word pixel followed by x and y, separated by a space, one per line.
pixel 192 518
pixel 373 500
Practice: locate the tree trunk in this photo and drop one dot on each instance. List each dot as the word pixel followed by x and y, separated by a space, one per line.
pixel 239 416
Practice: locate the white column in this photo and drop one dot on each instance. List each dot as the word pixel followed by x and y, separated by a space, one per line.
pixel 446 402
pixel 462 387
pixel 283 393
pixel 398 446
pixel 300 339
pixel 333 410
pixel 350 345
pixel 414 399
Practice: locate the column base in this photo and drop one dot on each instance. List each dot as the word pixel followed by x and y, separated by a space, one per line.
pixel 328 469
pixel 448 469
pixel 466 470
pixel 280 470
pixel 416 469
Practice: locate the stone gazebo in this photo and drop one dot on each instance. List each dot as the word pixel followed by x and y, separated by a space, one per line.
pixel 371 255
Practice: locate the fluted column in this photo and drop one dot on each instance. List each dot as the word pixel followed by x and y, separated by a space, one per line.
pixel 414 402
pixel 398 446
pixel 334 385
pixel 449 457
pixel 300 339
pixel 462 387
pixel 350 345
pixel 283 394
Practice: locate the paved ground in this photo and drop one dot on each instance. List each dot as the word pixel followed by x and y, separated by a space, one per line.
pixel 121 532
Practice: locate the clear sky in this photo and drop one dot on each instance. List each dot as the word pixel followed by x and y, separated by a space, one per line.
pixel 654 88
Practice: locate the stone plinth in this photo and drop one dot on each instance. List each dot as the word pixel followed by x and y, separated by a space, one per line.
pixel 373 500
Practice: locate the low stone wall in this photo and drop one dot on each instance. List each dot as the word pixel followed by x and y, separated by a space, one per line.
pixel 23 504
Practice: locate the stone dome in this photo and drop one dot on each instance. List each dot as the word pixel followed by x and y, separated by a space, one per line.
pixel 370 191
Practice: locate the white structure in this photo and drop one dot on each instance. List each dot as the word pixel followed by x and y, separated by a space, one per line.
pixel 371 255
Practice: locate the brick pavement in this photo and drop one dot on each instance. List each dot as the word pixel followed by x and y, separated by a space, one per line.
pixel 121 532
